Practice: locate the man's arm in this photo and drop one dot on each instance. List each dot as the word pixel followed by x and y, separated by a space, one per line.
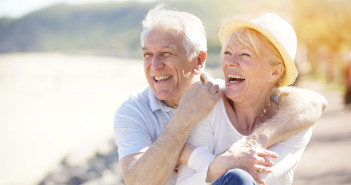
pixel 298 110
pixel 155 166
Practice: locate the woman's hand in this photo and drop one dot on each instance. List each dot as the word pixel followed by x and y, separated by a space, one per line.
pixel 242 155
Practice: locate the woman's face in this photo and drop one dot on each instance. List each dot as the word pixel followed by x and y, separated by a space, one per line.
pixel 246 74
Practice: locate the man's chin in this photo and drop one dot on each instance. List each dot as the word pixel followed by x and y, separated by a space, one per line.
pixel 167 98
pixel 162 95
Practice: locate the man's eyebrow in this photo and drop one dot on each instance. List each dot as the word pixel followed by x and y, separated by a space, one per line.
pixel 171 46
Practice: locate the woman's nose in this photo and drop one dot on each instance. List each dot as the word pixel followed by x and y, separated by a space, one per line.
pixel 231 61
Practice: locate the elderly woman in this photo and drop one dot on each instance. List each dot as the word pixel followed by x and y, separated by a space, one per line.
pixel 257 58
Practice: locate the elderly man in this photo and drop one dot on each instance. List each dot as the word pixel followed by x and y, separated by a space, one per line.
pixel 151 128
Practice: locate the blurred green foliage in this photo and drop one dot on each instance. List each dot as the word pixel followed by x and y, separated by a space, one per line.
pixel 323 28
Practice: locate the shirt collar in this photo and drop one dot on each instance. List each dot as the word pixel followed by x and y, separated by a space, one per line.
pixel 156 104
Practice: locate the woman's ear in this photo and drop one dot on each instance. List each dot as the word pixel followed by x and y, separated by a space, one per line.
pixel 277 72
pixel 200 62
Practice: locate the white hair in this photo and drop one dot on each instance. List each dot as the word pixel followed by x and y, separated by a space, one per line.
pixel 194 39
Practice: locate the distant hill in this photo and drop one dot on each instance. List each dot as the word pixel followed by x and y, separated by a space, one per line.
pixel 107 29
pixel 111 28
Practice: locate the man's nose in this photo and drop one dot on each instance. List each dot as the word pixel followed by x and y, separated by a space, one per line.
pixel 156 63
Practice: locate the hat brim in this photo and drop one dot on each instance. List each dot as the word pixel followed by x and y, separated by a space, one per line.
pixel 290 68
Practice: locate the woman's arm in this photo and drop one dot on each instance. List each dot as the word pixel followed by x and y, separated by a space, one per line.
pixel 196 171
pixel 290 152
pixel 299 109
pixel 240 155
pixel 197 153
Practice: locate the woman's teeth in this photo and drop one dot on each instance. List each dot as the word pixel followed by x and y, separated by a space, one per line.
pixel 235 78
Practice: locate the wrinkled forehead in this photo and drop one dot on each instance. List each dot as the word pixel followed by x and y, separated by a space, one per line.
pixel 162 38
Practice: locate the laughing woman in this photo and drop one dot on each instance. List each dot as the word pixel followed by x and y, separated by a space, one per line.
pixel 257 59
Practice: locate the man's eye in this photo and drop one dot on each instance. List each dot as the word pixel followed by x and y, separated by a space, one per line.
pixel 147 55
pixel 227 53
pixel 167 54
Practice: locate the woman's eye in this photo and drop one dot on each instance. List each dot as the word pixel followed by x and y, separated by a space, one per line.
pixel 147 55
pixel 245 55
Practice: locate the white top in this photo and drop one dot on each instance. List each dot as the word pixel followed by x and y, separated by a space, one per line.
pixel 215 134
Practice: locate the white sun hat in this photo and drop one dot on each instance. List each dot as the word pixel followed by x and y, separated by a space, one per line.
pixel 278 31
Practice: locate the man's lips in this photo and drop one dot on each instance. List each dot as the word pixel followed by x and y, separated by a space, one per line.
pixel 162 78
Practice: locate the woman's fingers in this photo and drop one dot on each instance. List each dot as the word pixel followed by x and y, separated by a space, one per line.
pixel 265 161
pixel 262 169
pixel 257 178
pixel 262 156
pixel 267 153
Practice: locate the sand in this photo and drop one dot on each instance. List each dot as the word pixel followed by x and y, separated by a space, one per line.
pixel 326 159
pixel 53 105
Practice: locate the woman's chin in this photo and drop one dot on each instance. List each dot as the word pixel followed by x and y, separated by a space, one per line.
pixel 235 90
pixel 234 94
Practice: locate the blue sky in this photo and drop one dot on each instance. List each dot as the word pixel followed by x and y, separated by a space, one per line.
pixel 17 8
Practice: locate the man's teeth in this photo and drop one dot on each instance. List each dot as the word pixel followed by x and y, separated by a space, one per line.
pixel 236 76
pixel 163 77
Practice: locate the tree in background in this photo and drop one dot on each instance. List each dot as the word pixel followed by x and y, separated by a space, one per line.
pixel 324 28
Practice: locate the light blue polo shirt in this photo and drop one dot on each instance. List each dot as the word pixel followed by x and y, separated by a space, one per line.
pixel 139 121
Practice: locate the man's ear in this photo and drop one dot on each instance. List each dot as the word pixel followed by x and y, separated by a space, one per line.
pixel 277 72
pixel 200 62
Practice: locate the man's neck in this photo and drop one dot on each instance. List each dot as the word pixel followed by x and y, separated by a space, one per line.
pixel 171 103
pixel 175 102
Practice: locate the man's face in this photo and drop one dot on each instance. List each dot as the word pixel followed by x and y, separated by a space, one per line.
pixel 167 68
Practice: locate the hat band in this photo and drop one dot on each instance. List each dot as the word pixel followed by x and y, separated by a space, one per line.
pixel 270 31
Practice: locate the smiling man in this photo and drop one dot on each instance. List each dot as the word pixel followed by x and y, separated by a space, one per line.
pixel 152 127
pixel 168 70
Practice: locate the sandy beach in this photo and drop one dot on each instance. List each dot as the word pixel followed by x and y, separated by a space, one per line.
pixel 54 105
pixel 326 159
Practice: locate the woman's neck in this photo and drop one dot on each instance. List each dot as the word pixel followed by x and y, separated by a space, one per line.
pixel 247 114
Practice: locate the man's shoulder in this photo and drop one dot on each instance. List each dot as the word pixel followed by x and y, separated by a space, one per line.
pixel 136 101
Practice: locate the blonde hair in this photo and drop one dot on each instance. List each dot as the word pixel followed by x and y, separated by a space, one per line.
pixel 258 43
